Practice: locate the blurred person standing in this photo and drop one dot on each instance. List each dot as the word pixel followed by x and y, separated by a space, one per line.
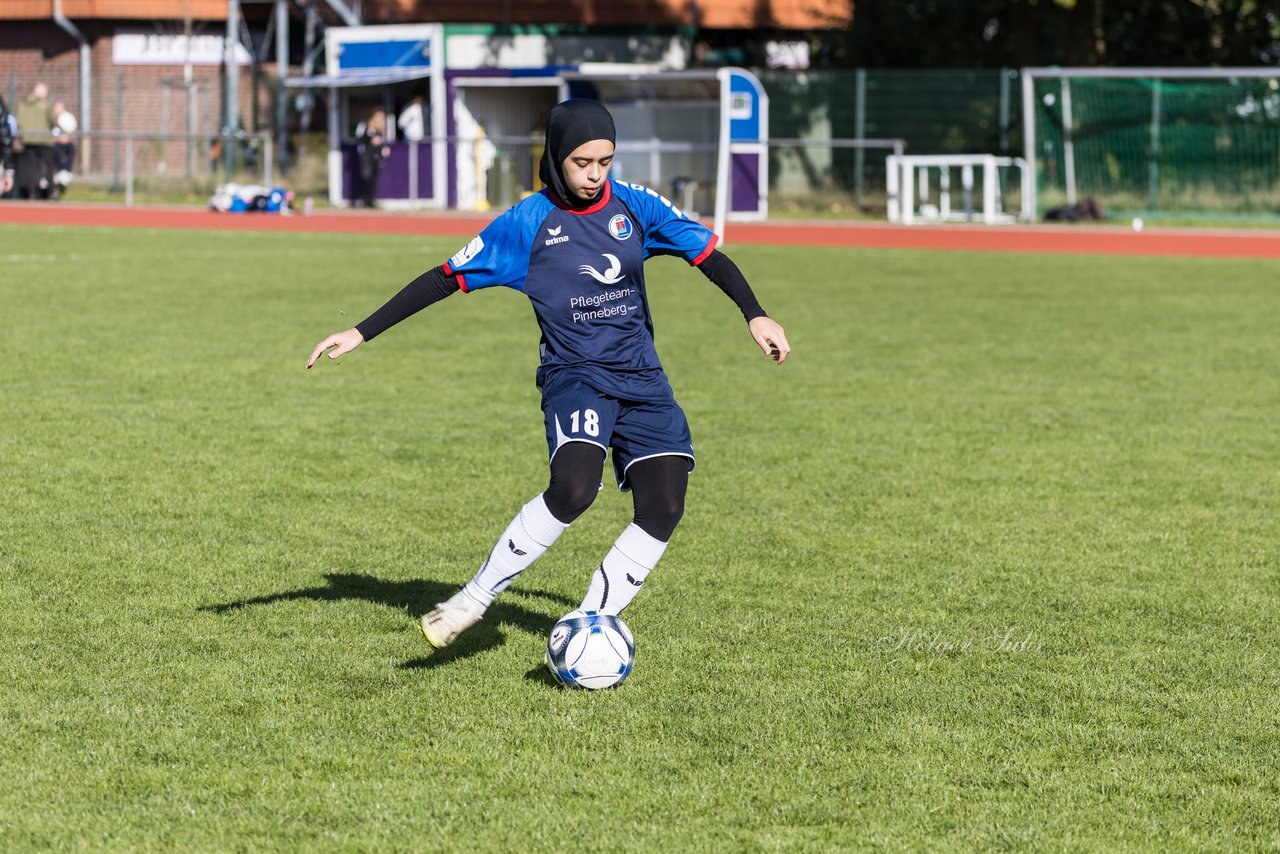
pixel 64 148
pixel 371 150
pixel 8 130
pixel 35 138
pixel 412 123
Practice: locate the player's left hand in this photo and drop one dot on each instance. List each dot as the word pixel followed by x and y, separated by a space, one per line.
pixel 771 338
pixel 343 342
pixel 6 184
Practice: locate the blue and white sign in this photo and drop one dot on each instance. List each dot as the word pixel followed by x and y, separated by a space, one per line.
pixel 743 168
pixel 383 48
pixel 746 100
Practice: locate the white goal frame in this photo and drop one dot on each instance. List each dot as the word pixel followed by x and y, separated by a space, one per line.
pixel 907 179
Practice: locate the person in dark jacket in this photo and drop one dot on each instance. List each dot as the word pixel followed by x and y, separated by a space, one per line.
pixel 6 149
pixel 371 150
pixel 35 132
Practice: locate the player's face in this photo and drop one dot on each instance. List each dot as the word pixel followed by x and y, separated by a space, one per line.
pixel 587 168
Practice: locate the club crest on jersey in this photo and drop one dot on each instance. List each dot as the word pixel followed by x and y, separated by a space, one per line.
pixel 610 276
pixel 620 227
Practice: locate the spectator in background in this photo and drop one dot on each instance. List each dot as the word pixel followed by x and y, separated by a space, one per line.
pixel 371 149
pixel 412 123
pixel 35 138
pixel 8 130
pixel 64 148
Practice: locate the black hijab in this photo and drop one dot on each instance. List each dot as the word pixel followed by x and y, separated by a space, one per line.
pixel 570 124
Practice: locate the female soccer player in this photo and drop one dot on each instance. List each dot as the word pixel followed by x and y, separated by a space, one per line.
pixel 577 250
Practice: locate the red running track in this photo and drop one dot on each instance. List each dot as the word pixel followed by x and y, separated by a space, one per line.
pixel 1064 239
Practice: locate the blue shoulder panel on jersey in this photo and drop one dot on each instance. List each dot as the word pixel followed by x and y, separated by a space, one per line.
pixel 499 255
pixel 667 229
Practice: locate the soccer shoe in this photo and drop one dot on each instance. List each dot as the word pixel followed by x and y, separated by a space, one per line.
pixel 442 626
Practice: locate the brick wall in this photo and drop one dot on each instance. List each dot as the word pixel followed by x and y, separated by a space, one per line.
pixel 140 98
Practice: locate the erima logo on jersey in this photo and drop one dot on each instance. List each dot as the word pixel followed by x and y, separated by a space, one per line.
pixel 555 236
pixel 608 277
pixel 467 252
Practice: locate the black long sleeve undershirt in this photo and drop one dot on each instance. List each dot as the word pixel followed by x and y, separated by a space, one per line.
pixel 431 287
pixel 720 269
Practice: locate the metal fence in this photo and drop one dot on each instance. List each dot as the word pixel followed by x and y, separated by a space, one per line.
pixel 931 111
pixel 830 134
pixel 167 164
pixel 506 168
pixel 824 127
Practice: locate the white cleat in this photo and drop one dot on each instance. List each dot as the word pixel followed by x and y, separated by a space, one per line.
pixel 442 626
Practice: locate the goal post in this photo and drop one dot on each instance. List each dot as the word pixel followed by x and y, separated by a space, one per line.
pixel 991 190
pixel 1189 141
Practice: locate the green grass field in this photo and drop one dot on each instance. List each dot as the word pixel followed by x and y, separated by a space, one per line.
pixel 991 563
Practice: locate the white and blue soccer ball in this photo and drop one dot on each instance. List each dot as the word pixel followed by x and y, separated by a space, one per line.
pixel 587 649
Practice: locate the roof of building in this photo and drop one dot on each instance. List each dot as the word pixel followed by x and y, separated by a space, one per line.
pixel 166 10
pixel 712 14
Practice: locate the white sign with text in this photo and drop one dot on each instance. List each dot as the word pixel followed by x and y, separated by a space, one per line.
pixel 137 47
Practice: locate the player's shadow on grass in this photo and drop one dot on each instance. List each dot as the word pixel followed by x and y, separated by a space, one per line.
pixel 416 598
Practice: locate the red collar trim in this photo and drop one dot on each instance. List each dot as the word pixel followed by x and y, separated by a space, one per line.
pixel 595 208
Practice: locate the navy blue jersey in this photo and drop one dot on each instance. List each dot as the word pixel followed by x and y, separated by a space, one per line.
pixel 583 270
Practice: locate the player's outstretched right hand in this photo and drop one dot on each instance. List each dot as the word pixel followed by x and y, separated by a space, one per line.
pixel 345 341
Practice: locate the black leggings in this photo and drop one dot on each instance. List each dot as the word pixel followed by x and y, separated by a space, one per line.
pixel 658 485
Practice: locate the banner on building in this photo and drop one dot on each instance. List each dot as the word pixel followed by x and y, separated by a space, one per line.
pixel 132 46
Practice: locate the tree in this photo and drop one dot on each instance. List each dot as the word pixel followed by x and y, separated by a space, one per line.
pixel 994 33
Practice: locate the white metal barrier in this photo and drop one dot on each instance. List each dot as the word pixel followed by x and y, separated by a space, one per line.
pixel 907 179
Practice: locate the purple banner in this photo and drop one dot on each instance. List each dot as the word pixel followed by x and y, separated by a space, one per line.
pixel 744 180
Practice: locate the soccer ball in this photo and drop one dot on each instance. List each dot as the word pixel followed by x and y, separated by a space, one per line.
pixel 590 650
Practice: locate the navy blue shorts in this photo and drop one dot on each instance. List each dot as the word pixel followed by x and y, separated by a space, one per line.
pixel 635 429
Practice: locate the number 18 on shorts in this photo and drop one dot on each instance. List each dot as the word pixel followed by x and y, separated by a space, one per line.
pixel 590 422
pixel 635 430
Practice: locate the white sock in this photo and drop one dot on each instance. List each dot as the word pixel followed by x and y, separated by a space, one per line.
pixel 530 534
pixel 617 581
